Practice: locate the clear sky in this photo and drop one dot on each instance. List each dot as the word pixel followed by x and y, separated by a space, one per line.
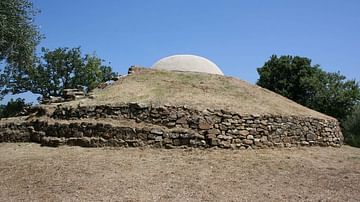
pixel 238 36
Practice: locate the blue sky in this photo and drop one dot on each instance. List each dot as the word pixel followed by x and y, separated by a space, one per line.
pixel 238 36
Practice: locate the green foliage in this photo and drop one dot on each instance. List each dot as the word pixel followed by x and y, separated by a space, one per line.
pixel 92 72
pixel 18 39
pixel 332 94
pixel 285 75
pixel 66 68
pixel 296 79
pixel 351 127
pixel 13 108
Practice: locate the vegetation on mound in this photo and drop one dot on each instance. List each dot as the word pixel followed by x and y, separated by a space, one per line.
pixel 13 108
pixel 199 91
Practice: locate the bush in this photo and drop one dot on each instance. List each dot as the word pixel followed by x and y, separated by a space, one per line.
pixel 13 108
pixel 351 127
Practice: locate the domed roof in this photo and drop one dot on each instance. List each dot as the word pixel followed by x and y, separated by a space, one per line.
pixel 190 63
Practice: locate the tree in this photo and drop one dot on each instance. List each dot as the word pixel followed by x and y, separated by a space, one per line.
pixel 13 108
pixel 351 127
pixel 92 73
pixel 18 40
pixel 332 94
pixel 66 68
pixel 285 75
pixel 306 84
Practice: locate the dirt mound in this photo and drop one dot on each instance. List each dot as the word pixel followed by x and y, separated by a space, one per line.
pixel 199 91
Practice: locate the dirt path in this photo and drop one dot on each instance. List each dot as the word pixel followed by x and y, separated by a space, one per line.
pixel 29 172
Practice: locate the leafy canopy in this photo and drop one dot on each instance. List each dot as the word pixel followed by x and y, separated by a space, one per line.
pixel 18 40
pixel 66 68
pixel 295 78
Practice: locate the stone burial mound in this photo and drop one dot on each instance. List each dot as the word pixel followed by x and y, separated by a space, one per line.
pixel 175 108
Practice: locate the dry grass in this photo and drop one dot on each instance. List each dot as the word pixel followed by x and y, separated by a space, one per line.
pixel 200 91
pixel 29 172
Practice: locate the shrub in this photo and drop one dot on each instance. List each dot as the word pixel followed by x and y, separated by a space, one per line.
pixel 13 108
pixel 351 127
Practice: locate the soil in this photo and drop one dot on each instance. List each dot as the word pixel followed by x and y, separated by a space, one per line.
pixel 29 172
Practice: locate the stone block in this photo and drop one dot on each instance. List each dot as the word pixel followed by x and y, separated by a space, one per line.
pixel 214 142
pixel 247 142
pixel 156 131
pixel 214 131
pixel 250 137
pixel 310 137
pixel 244 133
pixel 224 137
pixel 158 138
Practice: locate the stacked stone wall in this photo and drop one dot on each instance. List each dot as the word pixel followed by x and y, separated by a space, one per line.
pixel 174 126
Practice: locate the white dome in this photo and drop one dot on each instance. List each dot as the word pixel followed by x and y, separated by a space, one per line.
pixel 190 63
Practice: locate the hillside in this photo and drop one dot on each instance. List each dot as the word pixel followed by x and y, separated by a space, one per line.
pixel 199 91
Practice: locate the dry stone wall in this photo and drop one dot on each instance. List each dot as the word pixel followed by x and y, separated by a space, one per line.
pixel 175 126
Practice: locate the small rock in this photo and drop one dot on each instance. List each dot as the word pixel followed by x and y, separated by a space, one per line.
pixel 158 138
pixel 244 133
pixel 288 145
pixel 185 136
pixel 182 120
pixel 255 115
pixel 52 141
pixel 257 141
pixel 214 131
pixel 225 144
pixel 250 137
pixel 204 126
pixel 328 129
pixel 170 146
pixel 198 136
pixel 310 137
pixel 214 142
pixel 174 135
pixel 264 139
pixel 304 143
pixel 156 131
pixel 176 142
pixel 167 141
pixel 224 137
pixel 247 142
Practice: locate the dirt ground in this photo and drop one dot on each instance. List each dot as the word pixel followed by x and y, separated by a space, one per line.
pixel 29 172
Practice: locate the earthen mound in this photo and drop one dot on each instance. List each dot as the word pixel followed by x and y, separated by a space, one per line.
pixel 171 109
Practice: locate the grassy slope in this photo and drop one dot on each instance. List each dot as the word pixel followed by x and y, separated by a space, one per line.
pixel 199 91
